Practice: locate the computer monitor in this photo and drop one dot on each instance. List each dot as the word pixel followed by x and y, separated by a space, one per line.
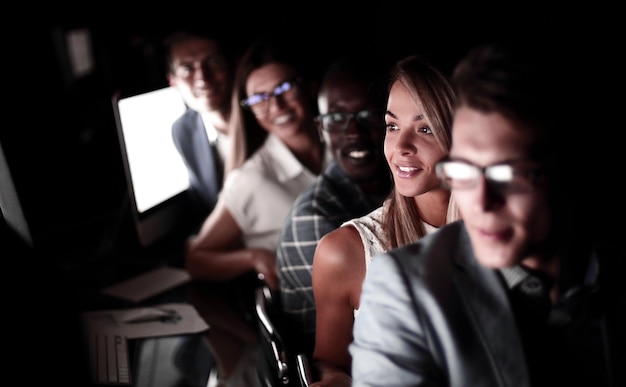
pixel 157 179
pixel 10 204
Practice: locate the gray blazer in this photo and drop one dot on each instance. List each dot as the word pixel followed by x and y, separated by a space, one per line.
pixel 201 158
pixel 431 315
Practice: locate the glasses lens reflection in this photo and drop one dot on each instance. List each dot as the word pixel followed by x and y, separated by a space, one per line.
pixel 259 103
pixel 455 174
pixel 339 122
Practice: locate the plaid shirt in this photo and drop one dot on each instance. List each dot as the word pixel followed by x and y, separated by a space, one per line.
pixel 331 200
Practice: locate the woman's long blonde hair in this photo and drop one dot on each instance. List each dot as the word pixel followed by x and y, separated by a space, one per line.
pixel 402 222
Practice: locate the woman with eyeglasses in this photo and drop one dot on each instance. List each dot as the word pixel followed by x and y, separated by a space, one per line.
pixel 275 153
pixel 418 122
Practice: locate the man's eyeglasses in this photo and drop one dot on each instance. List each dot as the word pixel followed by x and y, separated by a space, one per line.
pixel 259 103
pixel 208 65
pixel 339 122
pixel 509 178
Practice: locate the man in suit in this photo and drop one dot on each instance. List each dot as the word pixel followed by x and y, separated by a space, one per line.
pixel 524 290
pixel 202 73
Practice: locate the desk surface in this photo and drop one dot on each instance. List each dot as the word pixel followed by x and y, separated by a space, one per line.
pixel 226 353
pixel 44 328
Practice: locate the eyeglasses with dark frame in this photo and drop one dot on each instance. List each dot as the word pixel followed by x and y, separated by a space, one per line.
pixel 339 122
pixel 210 64
pixel 259 103
pixel 504 177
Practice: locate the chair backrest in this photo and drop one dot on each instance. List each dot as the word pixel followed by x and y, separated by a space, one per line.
pixel 305 376
pixel 278 364
pixel 273 363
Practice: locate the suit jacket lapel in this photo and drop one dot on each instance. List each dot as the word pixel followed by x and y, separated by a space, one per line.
pixel 486 299
pixel 209 170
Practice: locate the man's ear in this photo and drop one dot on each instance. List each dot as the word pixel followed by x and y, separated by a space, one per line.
pixel 320 132
pixel 171 80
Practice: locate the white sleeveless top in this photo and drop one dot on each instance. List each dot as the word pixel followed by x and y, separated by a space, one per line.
pixel 370 230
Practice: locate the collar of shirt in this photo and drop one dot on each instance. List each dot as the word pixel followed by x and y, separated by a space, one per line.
pixel 569 303
pixel 211 131
pixel 515 275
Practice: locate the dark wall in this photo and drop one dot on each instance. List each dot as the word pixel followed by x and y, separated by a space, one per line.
pixel 63 147
pixel 60 141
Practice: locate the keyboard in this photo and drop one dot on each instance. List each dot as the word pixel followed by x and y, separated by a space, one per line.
pixel 108 354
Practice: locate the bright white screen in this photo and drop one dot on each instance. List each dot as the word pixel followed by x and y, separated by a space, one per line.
pixel 157 170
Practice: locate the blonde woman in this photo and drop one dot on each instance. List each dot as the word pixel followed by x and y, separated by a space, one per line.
pixel 418 123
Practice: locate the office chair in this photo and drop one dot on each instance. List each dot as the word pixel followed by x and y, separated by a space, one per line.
pixel 305 377
pixel 277 366
pixel 273 364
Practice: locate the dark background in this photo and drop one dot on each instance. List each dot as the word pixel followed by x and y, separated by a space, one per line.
pixel 59 135
pixel 60 140
pixel 62 144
